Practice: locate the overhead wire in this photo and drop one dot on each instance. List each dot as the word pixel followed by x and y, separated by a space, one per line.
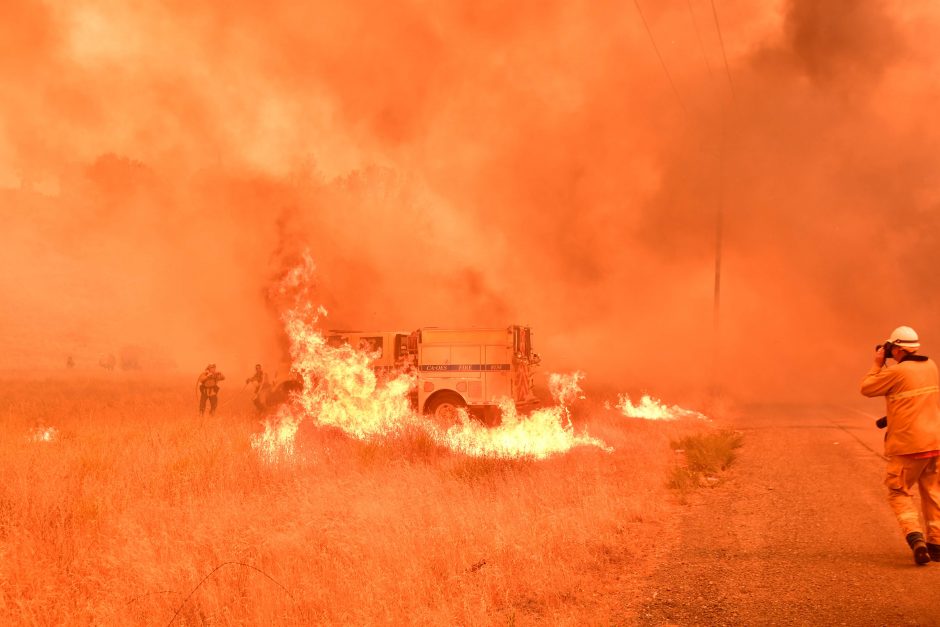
pixel 662 61
pixel 719 219
pixel 724 53
pixel 698 34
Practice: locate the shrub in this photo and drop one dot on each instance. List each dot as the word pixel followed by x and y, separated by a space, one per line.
pixel 704 454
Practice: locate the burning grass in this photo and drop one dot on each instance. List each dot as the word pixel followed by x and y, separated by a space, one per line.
pixel 338 388
pixel 120 517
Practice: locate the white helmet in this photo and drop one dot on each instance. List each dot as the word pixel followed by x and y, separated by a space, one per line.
pixel 906 338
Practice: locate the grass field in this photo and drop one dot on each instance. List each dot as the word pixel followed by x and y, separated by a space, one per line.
pixel 120 505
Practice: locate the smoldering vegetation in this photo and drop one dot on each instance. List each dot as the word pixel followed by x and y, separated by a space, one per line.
pixel 557 164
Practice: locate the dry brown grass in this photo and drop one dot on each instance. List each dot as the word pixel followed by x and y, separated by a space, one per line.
pixel 120 519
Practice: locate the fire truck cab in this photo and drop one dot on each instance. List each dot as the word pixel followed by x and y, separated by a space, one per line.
pixel 390 349
pixel 473 368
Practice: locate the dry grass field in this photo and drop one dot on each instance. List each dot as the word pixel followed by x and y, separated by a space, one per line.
pixel 120 505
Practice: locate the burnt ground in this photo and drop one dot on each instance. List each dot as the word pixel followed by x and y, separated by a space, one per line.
pixel 799 534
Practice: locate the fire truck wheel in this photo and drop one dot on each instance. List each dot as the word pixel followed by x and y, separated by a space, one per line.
pixel 443 408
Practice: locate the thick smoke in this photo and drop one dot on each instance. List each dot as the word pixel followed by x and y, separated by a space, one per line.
pixel 161 164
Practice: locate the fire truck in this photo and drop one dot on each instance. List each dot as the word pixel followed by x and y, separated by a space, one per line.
pixel 471 368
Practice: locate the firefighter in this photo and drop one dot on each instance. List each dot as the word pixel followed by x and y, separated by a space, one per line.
pixel 208 384
pixel 260 379
pixel 108 362
pixel 912 440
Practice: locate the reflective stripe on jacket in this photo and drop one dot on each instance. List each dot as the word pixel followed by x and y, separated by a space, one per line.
pixel 912 394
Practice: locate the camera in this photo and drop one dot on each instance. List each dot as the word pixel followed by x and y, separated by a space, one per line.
pixel 882 423
pixel 887 346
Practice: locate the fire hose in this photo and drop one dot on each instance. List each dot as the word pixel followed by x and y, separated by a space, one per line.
pixel 237 395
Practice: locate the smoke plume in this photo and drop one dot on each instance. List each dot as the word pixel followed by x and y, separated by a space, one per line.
pixel 572 166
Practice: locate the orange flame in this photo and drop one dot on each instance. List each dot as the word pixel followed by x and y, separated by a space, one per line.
pixel 276 443
pixel 340 389
pixel 44 434
pixel 653 409
pixel 540 434
pixel 565 388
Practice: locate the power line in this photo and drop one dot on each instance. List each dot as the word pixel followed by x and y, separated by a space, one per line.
pixel 661 60
pixel 698 34
pixel 724 54
pixel 719 226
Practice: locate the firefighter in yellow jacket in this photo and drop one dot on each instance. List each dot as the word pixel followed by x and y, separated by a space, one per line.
pixel 912 440
pixel 208 384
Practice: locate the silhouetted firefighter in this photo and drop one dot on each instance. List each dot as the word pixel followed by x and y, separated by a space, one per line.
pixel 260 380
pixel 208 384
pixel 108 362
pixel 280 391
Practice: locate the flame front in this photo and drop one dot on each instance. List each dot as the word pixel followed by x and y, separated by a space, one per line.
pixel 566 388
pixel 653 409
pixel 340 389
pixel 277 441
pixel 540 434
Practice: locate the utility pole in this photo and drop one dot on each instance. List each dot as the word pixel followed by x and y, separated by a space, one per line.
pixel 717 383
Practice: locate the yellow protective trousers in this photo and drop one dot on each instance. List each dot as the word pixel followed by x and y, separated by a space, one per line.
pixel 904 472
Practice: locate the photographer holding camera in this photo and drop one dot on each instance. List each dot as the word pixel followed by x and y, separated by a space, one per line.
pixel 912 439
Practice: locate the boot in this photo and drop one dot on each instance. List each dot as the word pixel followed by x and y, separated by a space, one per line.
pixel 915 540
pixel 934 551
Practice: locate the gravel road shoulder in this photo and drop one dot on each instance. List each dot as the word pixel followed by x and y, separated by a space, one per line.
pixel 799 534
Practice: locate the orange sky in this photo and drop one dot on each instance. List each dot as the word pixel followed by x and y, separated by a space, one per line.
pixel 473 164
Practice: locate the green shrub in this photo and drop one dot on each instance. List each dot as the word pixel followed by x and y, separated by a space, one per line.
pixel 705 454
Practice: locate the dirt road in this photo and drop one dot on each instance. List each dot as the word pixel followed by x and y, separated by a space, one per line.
pixel 800 534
